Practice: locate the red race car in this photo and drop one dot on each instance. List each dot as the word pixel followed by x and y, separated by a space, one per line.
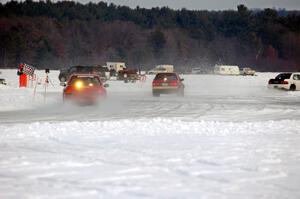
pixel 165 83
pixel 84 89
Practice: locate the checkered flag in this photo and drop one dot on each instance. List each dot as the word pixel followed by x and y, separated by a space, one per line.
pixel 29 70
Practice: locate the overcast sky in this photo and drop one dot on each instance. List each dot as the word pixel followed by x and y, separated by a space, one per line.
pixel 205 4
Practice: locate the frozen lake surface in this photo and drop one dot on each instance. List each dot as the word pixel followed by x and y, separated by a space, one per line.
pixel 229 137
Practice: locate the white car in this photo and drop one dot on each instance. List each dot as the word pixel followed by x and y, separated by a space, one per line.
pixel 287 81
pixel 248 71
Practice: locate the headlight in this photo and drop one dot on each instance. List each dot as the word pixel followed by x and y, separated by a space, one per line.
pixel 78 84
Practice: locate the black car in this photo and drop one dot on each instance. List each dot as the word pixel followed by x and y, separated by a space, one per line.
pixel 67 72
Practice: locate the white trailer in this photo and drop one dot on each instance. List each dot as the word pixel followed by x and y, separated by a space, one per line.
pixel 162 68
pixel 169 68
pixel 226 70
pixel 117 66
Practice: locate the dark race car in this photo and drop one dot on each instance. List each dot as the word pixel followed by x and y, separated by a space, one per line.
pixel 166 83
pixel 84 89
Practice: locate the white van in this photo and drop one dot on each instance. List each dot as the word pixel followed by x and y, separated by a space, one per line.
pixel 226 70
pixel 161 69
pixel 117 66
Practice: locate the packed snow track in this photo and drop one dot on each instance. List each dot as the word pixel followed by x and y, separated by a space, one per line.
pixel 229 137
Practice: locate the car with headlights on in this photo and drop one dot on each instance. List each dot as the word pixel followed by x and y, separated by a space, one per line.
pixel 167 83
pixel 84 89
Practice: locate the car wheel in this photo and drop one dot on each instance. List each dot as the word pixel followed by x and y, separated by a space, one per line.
pixel 155 94
pixel 293 87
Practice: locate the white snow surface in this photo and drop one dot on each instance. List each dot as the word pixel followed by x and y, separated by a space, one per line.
pixel 229 137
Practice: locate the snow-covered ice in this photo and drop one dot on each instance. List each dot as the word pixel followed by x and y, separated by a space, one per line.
pixel 229 137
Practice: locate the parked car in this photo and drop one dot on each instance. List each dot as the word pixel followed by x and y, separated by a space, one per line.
pixel 248 71
pixel 199 70
pixel 2 81
pixel 65 73
pixel 287 81
pixel 166 83
pixel 84 89
pixel 128 75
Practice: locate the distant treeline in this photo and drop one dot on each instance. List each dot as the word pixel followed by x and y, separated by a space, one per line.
pixel 54 35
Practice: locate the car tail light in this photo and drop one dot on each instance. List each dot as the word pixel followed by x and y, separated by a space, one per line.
pixel 69 90
pixel 270 81
pixel 284 82
pixel 173 83
pixel 155 83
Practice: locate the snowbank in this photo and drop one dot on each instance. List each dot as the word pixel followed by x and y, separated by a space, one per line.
pixel 157 126
pixel 155 158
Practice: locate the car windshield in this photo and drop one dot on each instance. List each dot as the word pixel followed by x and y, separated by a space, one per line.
pixel 284 76
pixel 168 76
pixel 86 80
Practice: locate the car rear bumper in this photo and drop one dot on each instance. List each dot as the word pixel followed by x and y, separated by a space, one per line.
pixel 279 86
pixel 166 89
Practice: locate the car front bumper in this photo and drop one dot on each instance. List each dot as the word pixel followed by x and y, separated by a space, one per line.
pixel 82 99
